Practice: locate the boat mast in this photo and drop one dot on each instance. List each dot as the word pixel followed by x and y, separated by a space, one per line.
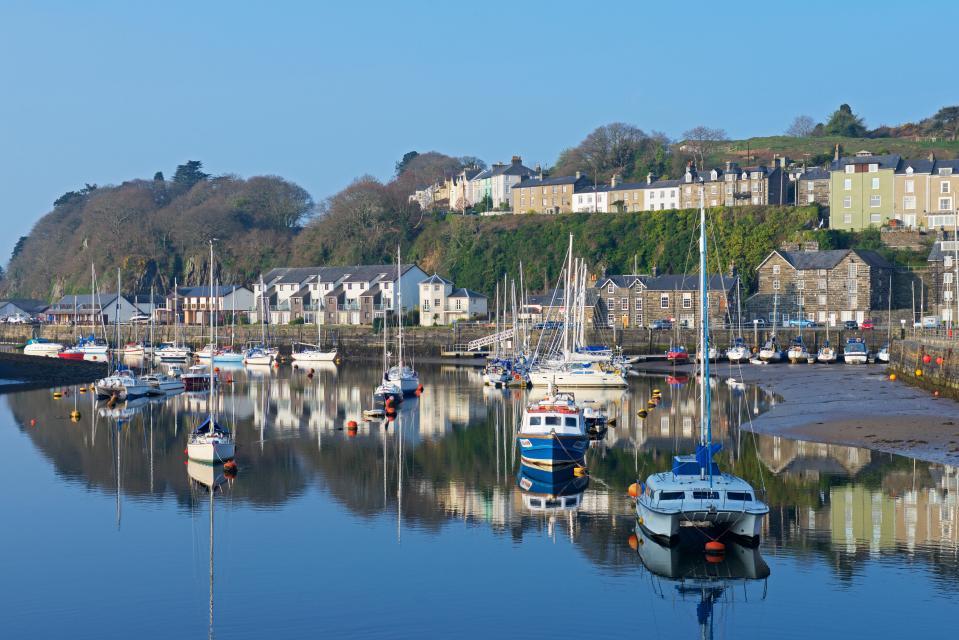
pixel 399 309
pixel 262 313
pixel 210 406
pixel 569 269
pixel 176 316
pixel 152 347
pixel 704 400
pixel 116 319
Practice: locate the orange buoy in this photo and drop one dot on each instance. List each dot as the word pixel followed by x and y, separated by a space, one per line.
pixel 714 558
pixel 715 546
pixel 351 424
pixel 633 490
pixel 185 451
pixel 229 379
pixel 633 542
pixel 939 361
pixel 927 358
pixel 33 422
pixel 216 369
pixel 892 376
pixel 229 465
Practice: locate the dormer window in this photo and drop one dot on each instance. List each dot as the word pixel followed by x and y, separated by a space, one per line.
pixel 850 168
pixel 945 171
pixel 873 167
pixel 909 170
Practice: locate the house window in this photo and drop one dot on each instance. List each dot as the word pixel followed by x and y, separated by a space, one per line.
pixel 687 301
pixel 800 300
pixel 945 171
pixel 910 186
pixel 847 218
pixel 947 295
pixel 822 284
pixel 875 218
pixel 947 262
pixel 853 302
pixel 945 204
pixel 811 198
pixel 776 285
pixel 853 270
pixel 775 269
pixel 664 301
pixel 822 300
pixel 638 304
pixel 875 183
pixel 873 167
pixel 610 289
pixel 458 305
pixel 847 203
pixel 436 302
pixel 810 186
pixel 947 277
pixel 850 168
pixel 624 304
pixel 943 187
pixel 875 201
pixel 426 305
pixel 909 203
pixel 800 284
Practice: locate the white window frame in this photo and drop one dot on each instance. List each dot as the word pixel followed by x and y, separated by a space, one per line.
pixel 664 301
pixel 847 202
pixel 875 201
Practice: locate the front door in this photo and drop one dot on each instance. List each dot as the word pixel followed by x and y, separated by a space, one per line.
pixel 860 316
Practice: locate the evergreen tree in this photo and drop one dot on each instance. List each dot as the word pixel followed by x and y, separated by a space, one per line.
pixel 189 174
pixel 845 123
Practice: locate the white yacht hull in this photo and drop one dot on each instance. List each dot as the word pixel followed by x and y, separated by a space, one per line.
pixel 737 355
pixel 314 356
pixel 407 385
pixel 826 357
pixel 264 359
pixel 797 356
pixel 854 358
pixel 211 452
pixel 172 355
pixel 48 349
pixel 565 379
pixel 666 524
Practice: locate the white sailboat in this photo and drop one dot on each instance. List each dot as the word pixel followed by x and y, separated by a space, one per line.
pixel 259 353
pixel 210 442
pixel 695 492
pixel 402 375
pixel 173 351
pixel 314 352
pixel 122 384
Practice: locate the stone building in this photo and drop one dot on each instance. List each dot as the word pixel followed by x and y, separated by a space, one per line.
pixel 543 194
pixel 823 286
pixel 640 300
pixel 941 283
pixel 812 187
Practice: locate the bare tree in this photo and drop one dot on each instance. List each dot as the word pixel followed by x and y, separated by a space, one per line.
pixel 702 141
pixel 802 127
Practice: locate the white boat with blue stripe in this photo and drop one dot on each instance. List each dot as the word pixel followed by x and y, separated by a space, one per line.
pixel 553 432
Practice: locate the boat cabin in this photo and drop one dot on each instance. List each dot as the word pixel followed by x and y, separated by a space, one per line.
pixel 557 414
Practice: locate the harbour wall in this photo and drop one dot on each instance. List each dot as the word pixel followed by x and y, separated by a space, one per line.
pixel 364 341
pixel 928 362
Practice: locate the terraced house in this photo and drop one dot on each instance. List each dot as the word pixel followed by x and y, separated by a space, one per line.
pixel 543 194
pixel 862 191
pixel 823 286
pixel 639 300
pixel 925 193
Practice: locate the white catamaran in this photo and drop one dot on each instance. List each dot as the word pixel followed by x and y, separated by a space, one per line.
pixel 695 492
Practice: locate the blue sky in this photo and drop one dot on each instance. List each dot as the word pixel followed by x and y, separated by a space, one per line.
pixel 321 93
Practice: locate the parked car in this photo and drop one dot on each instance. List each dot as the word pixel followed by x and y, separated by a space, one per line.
pixel 866 324
pixel 661 325
pixel 852 325
pixel 759 322
pixel 551 324
pixel 802 323
pixel 17 319
pixel 140 318
pixel 931 322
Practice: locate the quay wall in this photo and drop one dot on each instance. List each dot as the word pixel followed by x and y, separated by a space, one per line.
pixel 363 341
pixel 908 360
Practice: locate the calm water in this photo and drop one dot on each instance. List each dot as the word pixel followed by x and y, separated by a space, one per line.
pixel 420 528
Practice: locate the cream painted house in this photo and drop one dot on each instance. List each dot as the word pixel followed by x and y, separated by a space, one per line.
pixel 441 303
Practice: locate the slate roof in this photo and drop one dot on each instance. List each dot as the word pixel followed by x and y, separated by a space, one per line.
pixel 554 297
pixel 354 273
pixel 621 281
pixel 435 279
pixel 922 165
pixel 815 173
pixel 204 292
pixel 83 300
pixel 29 305
pixel 549 181
pixel 465 293
pixel 715 282
pixel 936 253
pixel 806 260
pixel 889 161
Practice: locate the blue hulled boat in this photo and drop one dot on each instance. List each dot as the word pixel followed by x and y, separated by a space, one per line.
pixel 553 432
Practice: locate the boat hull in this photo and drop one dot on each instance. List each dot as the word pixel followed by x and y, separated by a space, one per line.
pixel 665 524
pixel 738 355
pixel 211 453
pixel 564 379
pixel 547 451
pixel 855 358
pixel 314 356
pixel 50 350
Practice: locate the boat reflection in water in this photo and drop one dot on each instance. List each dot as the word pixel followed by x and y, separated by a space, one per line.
pixel 552 491
pixel 209 478
pixel 686 573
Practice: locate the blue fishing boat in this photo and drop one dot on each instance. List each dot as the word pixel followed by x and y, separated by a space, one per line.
pixel 559 490
pixel 553 432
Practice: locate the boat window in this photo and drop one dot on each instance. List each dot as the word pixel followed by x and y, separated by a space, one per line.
pixel 535 421
pixel 553 503
pixel 705 495
pixel 535 502
pixel 570 422
pixel 552 421
pixel 739 495
pixel 672 495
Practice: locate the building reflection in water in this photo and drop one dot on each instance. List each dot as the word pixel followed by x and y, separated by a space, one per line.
pixel 459 462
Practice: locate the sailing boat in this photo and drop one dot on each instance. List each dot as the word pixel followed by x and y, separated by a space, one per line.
pixel 739 351
pixel 210 442
pixel 827 353
pixel 314 352
pixel 258 353
pixel 212 351
pixel 771 351
pixel 122 384
pixel 387 389
pixel 695 492
pixel 883 354
pixel 405 377
pixel 173 351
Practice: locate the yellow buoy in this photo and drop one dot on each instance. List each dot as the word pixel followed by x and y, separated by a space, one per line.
pixel 892 376
pixel 74 416
pixel 580 471
pixel 642 413
pixel 918 373
pixel 57 395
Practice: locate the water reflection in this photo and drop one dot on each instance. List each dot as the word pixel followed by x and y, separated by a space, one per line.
pixel 450 457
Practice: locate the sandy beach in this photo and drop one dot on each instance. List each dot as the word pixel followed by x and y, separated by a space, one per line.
pixel 850 405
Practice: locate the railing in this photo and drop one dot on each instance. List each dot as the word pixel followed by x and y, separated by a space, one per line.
pixel 502 336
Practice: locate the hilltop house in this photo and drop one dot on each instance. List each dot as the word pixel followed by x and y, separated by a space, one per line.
pixel 442 303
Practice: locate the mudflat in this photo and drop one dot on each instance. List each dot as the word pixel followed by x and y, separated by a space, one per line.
pixel 19 372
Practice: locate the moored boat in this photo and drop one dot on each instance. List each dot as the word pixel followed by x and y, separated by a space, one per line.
pixel 553 432
pixel 770 351
pixel 738 352
pixel 797 351
pixel 197 377
pixel 42 347
pixel 826 354
pixel 121 384
pixel 855 351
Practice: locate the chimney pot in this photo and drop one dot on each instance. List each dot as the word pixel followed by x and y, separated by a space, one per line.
pixel 579 175
pixel 517 160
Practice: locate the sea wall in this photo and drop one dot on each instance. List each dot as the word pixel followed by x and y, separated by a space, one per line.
pixel 928 362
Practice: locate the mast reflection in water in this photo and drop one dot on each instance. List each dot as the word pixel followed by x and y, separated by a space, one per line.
pixel 309 538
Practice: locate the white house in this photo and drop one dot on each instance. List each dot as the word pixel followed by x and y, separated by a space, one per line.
pixel 591 199
pixel 21 308
pixel 661 194
pixel 503 177
pixel 441 303
pixel 86 309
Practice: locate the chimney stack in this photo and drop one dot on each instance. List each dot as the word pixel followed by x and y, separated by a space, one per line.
pixel 836 154
pixel 539 171
pixel 579 174
pixel 729 166
pixel 650 177
pixel 932 156
pixel 517 160
pixel 614 181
